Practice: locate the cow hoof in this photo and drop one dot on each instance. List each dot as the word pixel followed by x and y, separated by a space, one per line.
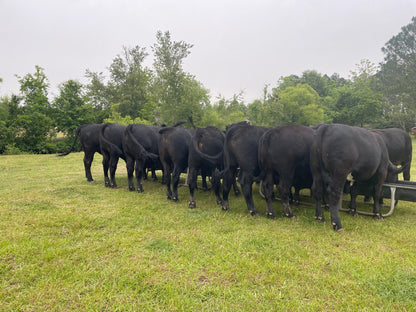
pixel 378 216
pixel 320 219
pixel 140 191
pixel 175 199
pixel 352 212
pixel 271 215
pixel 192 204
pixel 253 212
pixel 289 215
pixel 226 209
pixel 337 227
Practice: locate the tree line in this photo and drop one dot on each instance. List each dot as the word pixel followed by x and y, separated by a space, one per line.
pixel 375 96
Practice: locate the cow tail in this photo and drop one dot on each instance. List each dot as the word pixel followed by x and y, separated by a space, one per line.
pixel 133 139
pixel 114 148
pixel 392 168
pixel 77 132
pixel 316 163
pixel 213 160
pixel 264 142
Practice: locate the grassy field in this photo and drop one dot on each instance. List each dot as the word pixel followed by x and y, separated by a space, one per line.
pixel 70 245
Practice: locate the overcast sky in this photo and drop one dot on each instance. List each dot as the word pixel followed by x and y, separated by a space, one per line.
pixel 238 45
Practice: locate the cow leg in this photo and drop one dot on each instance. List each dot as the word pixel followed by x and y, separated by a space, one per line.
pixel 154 176
pixel 88 158
pixel 268 184
pixel 246 183
pixel 377 199
pixel 113 168
pixel 406 172
pixel 354 190
pixel 284 190
pixel 167 178
pixel 175 182
pixel 335 201
pixel 236 189
pixel 192 176
pixel 316 191
pixel 216 185
pixel 228 180
pixel 140 170
pixel 204 181
pixel 106 162
pixel 130 170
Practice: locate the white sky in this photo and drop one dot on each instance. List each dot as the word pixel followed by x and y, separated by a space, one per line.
pixel 239 45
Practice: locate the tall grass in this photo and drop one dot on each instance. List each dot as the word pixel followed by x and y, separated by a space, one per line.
pixel 66 244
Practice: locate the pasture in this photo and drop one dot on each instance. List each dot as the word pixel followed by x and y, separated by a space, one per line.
pixel 66 244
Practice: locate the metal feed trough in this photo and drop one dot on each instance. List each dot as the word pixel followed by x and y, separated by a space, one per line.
pixel 400 190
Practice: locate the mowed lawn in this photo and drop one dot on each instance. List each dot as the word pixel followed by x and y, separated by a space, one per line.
pixel 70 245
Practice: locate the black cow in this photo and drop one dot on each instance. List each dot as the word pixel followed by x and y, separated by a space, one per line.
pixel 284 154
pixel 339 150
pixel 206 141
pixel 173 154
pixel 140 147
pixel 241 155
pixel 399 147
pixel 89 136
pixel 111 144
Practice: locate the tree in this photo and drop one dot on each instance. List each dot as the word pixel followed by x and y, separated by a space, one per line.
pixel 360 103
pixel 128 87
pixel 34 117
pixel 130 81
pixel 398 74
pixel 224 112
pixel 268 112
pixel 301 106
pixel 180 96
pixel 71 109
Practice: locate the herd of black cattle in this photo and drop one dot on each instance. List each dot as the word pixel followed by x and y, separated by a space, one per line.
pixel 320 158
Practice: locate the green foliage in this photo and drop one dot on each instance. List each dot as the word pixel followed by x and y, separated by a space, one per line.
pixel 300 106
pixel 398 73
pixel 360 103
pixel 130 81
pixel 71 109
pixel 224 112
pixel 180 96
pixel 33 120
pixel 375 97
pixel 116 117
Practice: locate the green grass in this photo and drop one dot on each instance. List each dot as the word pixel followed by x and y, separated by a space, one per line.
pixel 66 245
